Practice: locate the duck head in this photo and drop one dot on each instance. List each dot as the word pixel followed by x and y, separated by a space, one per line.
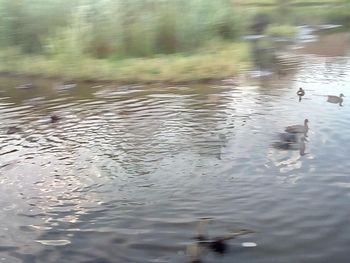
pixel 341 95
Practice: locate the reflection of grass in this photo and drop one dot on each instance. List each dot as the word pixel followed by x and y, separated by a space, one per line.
pixel 215 61
pixel 281 30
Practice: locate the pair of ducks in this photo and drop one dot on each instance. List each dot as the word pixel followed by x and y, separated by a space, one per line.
pixel 330 98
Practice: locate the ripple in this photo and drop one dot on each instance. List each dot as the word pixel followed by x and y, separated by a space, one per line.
pixel 128 171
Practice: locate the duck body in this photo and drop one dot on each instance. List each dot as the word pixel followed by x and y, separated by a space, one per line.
pixel 335 99
pixel 300 92
pixel 298 128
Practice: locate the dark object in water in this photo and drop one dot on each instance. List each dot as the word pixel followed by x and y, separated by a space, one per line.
pixel 217 245
pixel 54 118
pixel 259 24
pixel 288 137
pixel 291 141
pixel 13 130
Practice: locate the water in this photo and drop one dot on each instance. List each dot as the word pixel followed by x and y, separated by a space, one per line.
pixel 128 171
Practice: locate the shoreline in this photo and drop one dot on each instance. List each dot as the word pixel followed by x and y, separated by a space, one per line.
pixel 208 80
pixel 212 63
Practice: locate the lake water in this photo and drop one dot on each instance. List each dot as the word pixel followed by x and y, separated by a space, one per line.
pixel 128 172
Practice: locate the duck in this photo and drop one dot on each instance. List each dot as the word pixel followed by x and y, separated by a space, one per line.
pixel 301 92
pixel 217 245
pixel 13 130
pixel 54 118
pixel 335 99
pixel 298 128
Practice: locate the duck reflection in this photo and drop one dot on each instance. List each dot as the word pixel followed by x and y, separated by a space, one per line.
pixel 293 138
pixel 204 243
pixel 336 99
pixel 291 141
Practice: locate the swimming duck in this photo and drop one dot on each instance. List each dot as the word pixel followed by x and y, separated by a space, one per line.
pixel 335 99
pixel 298 128
pixel 218 245
pixel 301 92
pixel 13 130
pixel 54 118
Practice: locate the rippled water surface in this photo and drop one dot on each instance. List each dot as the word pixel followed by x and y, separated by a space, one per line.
pixel 128 171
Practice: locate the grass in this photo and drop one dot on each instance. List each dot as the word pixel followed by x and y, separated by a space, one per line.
pixel 216 60
pixel 281 30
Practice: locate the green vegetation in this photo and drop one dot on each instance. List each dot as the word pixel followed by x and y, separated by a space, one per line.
pixel 116 28
pixel 108 37
pixel 281 30
pixel 142 40
pixel 215 61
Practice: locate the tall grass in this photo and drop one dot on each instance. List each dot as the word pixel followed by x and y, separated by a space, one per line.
pixel 114 28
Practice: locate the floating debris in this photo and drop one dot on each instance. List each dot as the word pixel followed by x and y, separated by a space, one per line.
pixel 61 242
pixel 249 244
